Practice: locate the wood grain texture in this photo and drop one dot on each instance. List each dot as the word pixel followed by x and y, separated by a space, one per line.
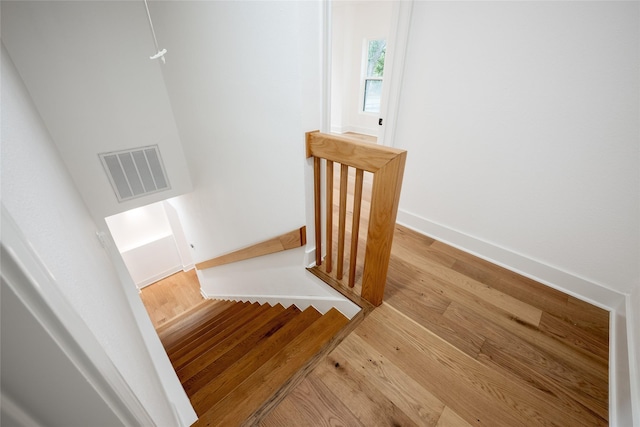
pixel 198 387
pixel 459 341
pixel 350 151
pixel 238 405
pixel 220 345
pixel 418 404
pixel 290 240
pixel 172 296
pixel 253 357
pixel 355 226
pixel 342 218
pixel 317 201
pixel 328 265
pixel 179 353
pixel 387 166
pixel 451 419
pixel 218 338
pixel 222 351
pixel 186 326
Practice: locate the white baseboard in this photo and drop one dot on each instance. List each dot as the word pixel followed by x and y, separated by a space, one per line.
pixel 310 257
pixel 153 279
pixel 568 283
pixel 339 129
pixel 633 342
pixel 581 288
pixel 354 129
pixel 363 130
pixel 188 267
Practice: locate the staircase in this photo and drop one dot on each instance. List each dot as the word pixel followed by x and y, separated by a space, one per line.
pixel 233 358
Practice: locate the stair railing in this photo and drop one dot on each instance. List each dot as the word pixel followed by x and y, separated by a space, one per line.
pixel 387 166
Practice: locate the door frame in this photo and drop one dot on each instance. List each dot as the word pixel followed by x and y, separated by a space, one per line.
pixel 394 69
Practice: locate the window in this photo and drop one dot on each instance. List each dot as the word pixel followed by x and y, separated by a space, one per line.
pixel 373 75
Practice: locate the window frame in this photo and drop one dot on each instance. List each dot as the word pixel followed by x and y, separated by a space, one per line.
pixel 364 78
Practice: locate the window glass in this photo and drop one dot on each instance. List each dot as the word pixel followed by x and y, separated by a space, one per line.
pixel 375 58
pixel 372 94
pixel 376 50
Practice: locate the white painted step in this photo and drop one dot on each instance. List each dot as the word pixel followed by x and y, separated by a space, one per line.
pixel 276 278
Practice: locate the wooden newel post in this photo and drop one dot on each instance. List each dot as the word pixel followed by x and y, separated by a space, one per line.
pixel 387 183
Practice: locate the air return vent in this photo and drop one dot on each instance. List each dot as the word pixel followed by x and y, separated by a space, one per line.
pixel 136 172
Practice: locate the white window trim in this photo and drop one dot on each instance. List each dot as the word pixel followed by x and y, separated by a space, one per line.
pixel 363 75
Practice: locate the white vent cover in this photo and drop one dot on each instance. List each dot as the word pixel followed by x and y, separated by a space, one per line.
pixel 136 172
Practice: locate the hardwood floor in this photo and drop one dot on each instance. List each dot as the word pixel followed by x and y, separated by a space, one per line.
pixel 457 342
pixel 171 296
pixel 236 360
pixel 361 137
pixel 460 341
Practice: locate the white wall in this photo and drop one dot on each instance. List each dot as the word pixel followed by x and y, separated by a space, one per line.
pixel 234 79
pixel 521 121
pixel 240 80
pixel 184 250
pixel 139 226
pixel 353 23
pixel 40 195
pixel 521 124
pixel 633 331
pixel 34 367
pixel 86 66
pixel 146 241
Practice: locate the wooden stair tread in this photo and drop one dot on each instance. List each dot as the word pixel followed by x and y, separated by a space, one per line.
pixel 240 354
pixel 252 360
pixel 165 328
pixel 207 374
pixel 176 329
pixel 258 387
pixel 214 337
pixel 211 321
pixel 221 347
pixel 209 329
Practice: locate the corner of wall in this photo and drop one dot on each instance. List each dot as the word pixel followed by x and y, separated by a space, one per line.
pixel 624 322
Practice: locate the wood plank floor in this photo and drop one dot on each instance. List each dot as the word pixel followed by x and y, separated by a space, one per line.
pixel 171 296
pixel 460 341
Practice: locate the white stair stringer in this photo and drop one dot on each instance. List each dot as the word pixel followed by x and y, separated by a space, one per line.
pixel 278 278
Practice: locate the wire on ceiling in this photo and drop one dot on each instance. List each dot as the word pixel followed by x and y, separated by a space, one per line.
pixel 159 53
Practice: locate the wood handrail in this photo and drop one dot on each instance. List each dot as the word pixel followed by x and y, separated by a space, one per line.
pixel 387 166
pixel 290 240
pixel 348 151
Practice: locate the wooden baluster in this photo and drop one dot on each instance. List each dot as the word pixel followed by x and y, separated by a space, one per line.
pixel 355 227
pixel 329 213
pixel 344 176
pixel 318 215
pixel 385 196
